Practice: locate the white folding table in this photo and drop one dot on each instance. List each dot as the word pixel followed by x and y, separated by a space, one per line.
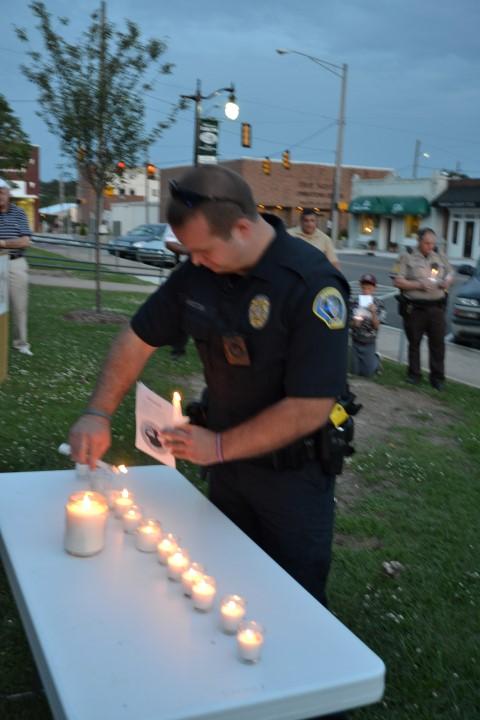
pixel 114 639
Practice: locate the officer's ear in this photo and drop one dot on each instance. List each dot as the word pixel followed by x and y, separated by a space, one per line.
pixel 242 228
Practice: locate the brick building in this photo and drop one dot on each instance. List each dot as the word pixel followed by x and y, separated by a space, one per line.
pixel 286 192
pixel 26 186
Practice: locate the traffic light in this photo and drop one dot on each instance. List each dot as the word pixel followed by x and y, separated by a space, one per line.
pixel 246 135
pixel 151 171
pixel 286 159
pixel 342 206
pixel 120 168
pixel 267 166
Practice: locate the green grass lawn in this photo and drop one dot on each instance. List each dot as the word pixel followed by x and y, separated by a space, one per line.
pixel 48 261
pixel 419 503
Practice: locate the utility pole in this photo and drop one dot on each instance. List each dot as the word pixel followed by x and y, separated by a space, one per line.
pixel 415 158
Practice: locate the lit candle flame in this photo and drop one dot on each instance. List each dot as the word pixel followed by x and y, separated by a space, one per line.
pixel 123 469
pixel 125 493
pixel 86 502
pixel 177 407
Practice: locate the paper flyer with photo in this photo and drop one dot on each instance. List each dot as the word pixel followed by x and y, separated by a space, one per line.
pixel 152 414
pixel 364 301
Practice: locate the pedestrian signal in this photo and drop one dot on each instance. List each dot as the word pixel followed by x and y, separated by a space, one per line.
pixel 151 171
pixel 246 135
pixel 267 166
pixel 286 159
pixel 342 206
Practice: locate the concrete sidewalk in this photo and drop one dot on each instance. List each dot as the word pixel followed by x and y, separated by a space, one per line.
pixel 462 363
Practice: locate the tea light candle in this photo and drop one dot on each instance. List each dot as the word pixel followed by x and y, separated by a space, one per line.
pixel 203 593
pixel 122 503
pixel 250 641
pixel 112 496
pixel 131 519
pixel 232 612
pixel 167 545
pixel 177 563
pixel 192 574
pixel 148 534
pixel 86 515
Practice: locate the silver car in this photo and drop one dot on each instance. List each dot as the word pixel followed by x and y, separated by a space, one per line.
pixel 144 243
pixel 466 310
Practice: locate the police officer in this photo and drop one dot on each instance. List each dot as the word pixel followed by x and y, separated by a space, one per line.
pixel 268 317
pixel 424 277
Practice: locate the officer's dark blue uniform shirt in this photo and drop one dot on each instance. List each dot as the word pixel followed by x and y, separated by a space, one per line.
pixel 279 331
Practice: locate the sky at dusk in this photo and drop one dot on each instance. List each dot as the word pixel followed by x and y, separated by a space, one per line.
pixel 413 73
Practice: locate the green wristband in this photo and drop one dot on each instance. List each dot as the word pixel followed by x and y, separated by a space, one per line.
pixel 98 413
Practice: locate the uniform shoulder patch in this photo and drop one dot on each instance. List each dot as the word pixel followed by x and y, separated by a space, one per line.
pixel 259 311
pixel 330 307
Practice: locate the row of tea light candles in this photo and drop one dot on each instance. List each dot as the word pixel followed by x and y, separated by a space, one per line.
pixel 86 514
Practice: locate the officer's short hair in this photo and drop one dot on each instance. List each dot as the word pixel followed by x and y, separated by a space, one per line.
pixel 423 231
pixel 307 211
pixel 221 195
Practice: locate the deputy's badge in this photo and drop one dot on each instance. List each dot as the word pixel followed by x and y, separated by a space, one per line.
pixel 329 306
pixel 259 311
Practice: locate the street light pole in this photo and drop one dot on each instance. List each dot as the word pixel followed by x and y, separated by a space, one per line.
pixel 417 155
pixel 340 71
pixel 231 110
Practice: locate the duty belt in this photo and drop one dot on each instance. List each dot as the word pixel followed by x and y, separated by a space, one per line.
pixel 15 255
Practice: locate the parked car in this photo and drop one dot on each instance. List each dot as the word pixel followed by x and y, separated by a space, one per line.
pixel 466 310
pixel 145 240
pixel 156 252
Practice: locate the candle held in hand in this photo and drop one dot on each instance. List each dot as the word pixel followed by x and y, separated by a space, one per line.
pixel 177 417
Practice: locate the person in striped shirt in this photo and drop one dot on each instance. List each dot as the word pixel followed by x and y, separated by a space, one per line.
pixel 15 236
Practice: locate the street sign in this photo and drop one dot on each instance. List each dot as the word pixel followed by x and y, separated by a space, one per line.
pixel 207 141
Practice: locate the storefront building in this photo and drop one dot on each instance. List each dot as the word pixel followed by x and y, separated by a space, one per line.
pixel 387 214
pixel 460 207
pixel 287 192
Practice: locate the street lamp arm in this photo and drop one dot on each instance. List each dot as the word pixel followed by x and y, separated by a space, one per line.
pixel 198 97
pixel 337 70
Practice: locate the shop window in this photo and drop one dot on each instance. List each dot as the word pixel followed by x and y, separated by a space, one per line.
pixel 455 232
pixel 368 224
pixel 412 224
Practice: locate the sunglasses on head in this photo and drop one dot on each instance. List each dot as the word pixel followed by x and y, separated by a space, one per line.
pixel 192 199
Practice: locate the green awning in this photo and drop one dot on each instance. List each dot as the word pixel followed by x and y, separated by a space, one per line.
pixel 390 205
pixel 367 206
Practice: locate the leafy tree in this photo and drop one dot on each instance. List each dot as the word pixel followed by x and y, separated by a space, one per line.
pixel 91 95
pixel 14 143
pixel 50 192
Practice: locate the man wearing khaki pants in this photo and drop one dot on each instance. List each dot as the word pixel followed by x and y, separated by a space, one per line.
pixel 15 236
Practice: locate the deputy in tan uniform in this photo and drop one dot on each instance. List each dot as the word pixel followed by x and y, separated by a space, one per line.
pixel 308 230
pixel 424 277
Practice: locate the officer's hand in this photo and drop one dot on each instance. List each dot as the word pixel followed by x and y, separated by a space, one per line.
pixel 89 439
pixel 191 442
